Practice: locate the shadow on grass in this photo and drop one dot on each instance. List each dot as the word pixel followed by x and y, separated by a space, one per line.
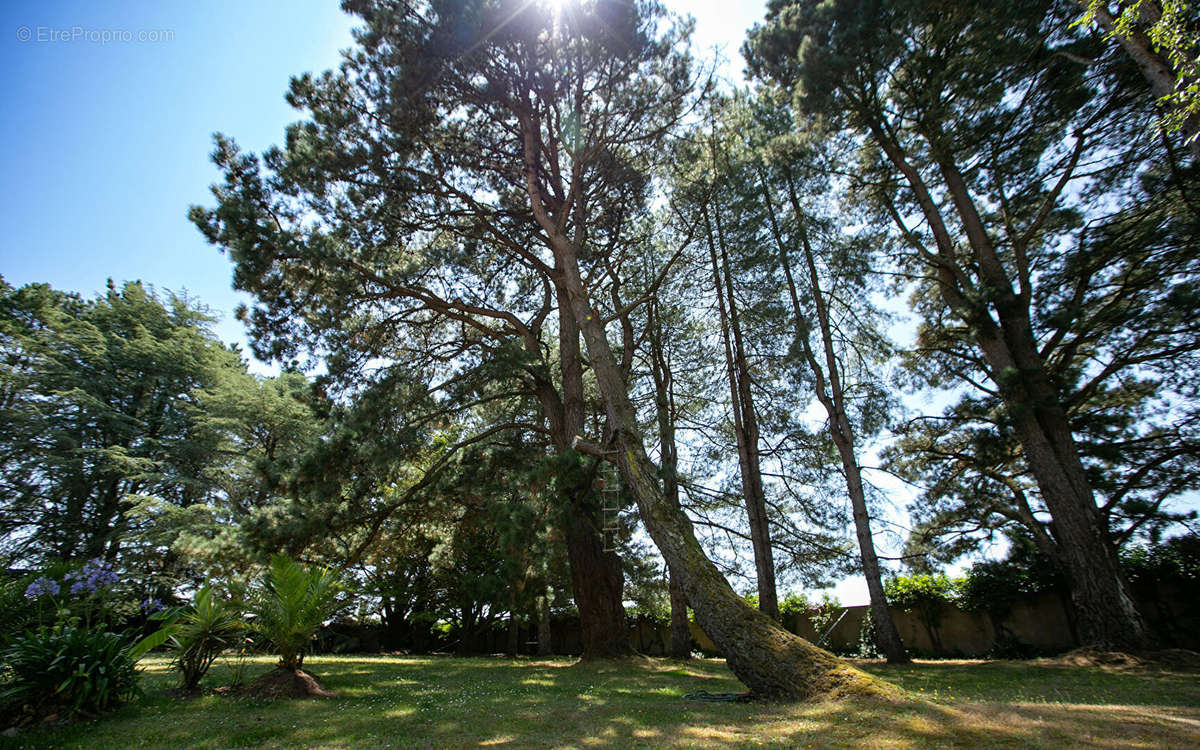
pixel 498 702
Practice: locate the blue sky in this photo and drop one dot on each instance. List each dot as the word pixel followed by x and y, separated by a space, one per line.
pixel 107 141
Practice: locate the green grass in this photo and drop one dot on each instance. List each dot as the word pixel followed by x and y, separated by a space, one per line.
pixel 1026 682
pixel 437 702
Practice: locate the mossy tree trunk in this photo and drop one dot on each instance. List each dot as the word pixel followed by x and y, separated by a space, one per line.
pixel 771 661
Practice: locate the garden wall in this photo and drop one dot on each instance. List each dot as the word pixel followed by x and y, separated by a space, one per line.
pixel 1038 624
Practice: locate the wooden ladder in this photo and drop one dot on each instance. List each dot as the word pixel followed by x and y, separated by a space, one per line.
pixel 610 508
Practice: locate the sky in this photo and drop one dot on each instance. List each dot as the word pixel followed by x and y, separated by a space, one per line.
pixel 109 113
pixel 108 121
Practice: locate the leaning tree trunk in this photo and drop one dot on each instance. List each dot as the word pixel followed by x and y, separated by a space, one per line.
pixel 1106 610
pixel 771 661
pixel 830 392
pixel 1107 613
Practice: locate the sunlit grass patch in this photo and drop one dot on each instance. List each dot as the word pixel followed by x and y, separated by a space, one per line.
pixel 442 702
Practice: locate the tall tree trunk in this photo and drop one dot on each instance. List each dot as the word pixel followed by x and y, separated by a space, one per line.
pixel 745 425
pixel 597 579
pixel 831 394
pixel 1105 607
pixel 680 646
pixel 769 660
pixel 513 646
pixel 597 583
pixel 1107 612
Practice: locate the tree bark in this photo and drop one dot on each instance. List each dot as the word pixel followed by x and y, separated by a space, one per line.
pixel 745 424
pixel 514 629
pixel 680 646
pixel 1106 610
pixel 545 644
pixel 597 581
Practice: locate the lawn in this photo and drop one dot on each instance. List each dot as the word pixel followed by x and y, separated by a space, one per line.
pixel 437 702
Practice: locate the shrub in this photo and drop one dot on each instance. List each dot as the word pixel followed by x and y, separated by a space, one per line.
pixel 926 595
pixel 921 591
pixel 994 586
pixel 66 592
pixel 67 669
pixel 289 605
pixel 866 639
pixel 15 614
pixel 793 605
pixel 1175 561
pixel 823 615
pixel 200 633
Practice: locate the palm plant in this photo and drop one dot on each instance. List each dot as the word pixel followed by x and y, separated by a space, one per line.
pixel 290 603
pixel 201 633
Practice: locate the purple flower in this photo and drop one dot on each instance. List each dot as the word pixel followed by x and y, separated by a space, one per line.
pixel 151 605
pixel 93 576
pixel 40 587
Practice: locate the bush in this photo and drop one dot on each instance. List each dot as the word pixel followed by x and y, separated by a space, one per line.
pixel 921 592
pixel 994 586
pixel 1175 561
pixel 289 605
pixel 866 638
pixel 15 614
pixel 926 595
pixel 793 605
pixel 67 669
pixel 201 633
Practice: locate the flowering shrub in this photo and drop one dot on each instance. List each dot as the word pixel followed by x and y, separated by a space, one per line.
pixel 65 670
pixel 69 662
pixel 42 586
pixel 82 595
